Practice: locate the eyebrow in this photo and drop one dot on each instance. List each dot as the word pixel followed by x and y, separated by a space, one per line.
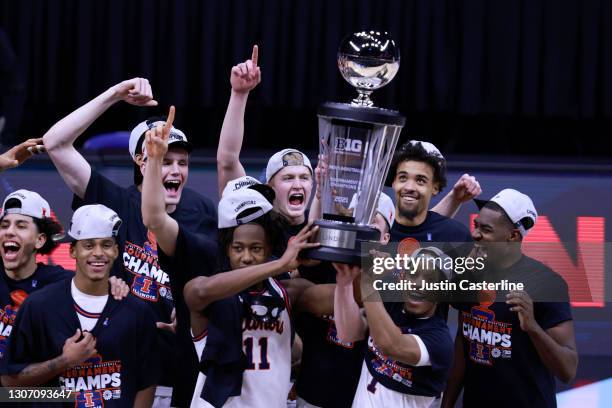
pixel 403 172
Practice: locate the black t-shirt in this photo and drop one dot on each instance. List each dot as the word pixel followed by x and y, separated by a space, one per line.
pixel 14 292
pixel 436 229
pixel 138 262
pixel 126 342
pixel 498 354
pixel 427 380
pixel 194 256
pixel 329 371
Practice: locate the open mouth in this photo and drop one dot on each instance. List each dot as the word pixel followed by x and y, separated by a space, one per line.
pixel 11 248
pixel 97 266
pixel 409 198
pixel 296 199
pixel 172 186
pixel 416 296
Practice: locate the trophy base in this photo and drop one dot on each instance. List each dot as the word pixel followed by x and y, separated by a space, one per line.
pixel 341 242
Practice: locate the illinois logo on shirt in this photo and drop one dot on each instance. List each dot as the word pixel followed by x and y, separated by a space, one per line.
pixel 489 339
pixel 143 264
pixel 145 288
pixel 89 399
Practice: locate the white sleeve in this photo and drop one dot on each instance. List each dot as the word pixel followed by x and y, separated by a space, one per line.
pixel 424 360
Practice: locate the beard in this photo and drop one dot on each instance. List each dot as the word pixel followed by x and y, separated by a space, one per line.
pixel 409 212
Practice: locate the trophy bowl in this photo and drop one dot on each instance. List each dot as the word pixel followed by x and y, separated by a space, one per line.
pixel 368 60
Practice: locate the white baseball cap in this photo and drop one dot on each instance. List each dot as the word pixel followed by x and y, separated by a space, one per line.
pixel 240 182
pixel 284 158
pixel 94 221
pixel 234 204
pixel 31 204
pixel 385 207
pixel 176 136
pixel 517 206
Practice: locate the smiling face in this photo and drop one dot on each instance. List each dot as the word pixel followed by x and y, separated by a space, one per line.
pixel 94 257
pixel 19 240
pixel 248 246
pixel 293 186
pixel 414 186
pixel 175 170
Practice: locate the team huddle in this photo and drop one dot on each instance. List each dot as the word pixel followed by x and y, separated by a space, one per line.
pixel 177 303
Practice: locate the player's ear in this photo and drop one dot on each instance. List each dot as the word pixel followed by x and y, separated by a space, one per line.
pixel 515 236
pixel 385 238
pixel 73 250
pixel 41 239
pixel 436 188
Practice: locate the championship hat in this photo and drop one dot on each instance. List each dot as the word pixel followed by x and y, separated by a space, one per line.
pixel 94 221
pixel 284 158
pixel 30 203
pixel 517 206
pixel 176 136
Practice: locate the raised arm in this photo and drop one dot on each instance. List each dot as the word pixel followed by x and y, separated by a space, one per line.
pixel 153 205
pixel 74 352
pixel 347 316
pixel 387 336
pixel 464 190
pixel 243 78
pixel 59 140
pixel 202 291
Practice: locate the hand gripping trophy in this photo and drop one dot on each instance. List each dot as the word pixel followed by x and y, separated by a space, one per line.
pixel 357 142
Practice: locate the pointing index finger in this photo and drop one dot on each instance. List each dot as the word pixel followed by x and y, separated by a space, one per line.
pixel 169 122
pixel 255 55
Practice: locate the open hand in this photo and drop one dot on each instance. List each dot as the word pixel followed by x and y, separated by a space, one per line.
pixel 79 347
pixel 20 153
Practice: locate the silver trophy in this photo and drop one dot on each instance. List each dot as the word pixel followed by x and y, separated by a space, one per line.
pixel 357 142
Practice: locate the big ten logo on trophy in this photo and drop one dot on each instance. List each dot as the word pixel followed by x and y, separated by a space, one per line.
pixel 348 145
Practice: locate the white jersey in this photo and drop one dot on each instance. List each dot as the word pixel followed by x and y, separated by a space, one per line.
pixel 369 395
pixel 266 382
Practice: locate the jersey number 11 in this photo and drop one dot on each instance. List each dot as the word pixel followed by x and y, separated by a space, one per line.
pixel 263 353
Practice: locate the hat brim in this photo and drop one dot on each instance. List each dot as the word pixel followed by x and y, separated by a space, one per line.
pixel 480 203
pixel 183 145
pixel 265 190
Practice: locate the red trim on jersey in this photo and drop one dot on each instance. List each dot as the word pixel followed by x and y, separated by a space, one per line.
pixel 85 313
pixel 200 336
pixel 287 300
